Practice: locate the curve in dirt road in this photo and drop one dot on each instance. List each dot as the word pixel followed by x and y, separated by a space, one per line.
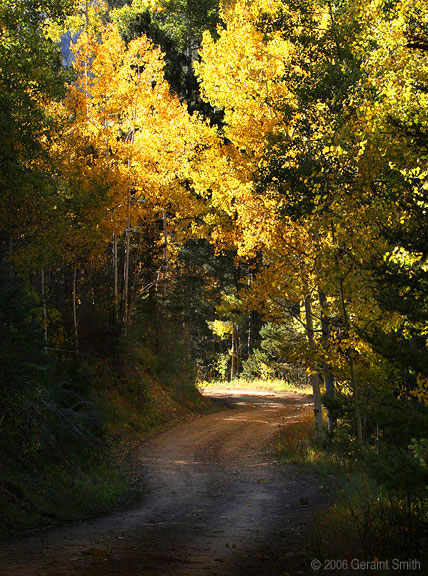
pixel 218 504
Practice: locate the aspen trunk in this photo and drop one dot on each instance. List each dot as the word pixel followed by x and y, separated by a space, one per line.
pixel 116 294
pixel 75 321
pixel 354 384
pixel 189 63
pixel 128 230
pixel 237 350
pixel 86 58
pixel 165 251
pixel 328 374
pixel 346 323
pixel 126 275
pixel 233 367
pixel 249 338
pixel 315 378
pixel 44 309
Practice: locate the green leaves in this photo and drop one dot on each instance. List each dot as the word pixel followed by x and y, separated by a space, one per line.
pixel 31 76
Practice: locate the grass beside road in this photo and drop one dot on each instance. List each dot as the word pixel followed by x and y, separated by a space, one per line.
pixel 273 385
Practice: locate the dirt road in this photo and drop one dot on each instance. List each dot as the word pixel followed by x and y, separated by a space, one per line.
pixel 218 505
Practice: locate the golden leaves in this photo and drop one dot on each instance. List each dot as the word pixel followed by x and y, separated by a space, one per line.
pixel 242 73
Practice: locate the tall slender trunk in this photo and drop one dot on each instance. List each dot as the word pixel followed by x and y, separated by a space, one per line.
pixel 116 293
pixel 44 306
pixel 233 350
pixel 232 365
pixel 75 320
pixel 237 350
pixel 86 57
pixel 126 270
pixel 189 62
pixel 128 229
pixel 315 378
pixel 327 371
pixel 249 337
pixel 165 251
pixel 354 384
pixel 115 283
pixel 346 323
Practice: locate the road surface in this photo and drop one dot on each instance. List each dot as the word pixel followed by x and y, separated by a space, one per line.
pixel 218 504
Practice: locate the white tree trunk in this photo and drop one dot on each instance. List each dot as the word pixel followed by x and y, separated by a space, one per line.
pixel 315 378
pixel 126 274
pixel 75 320
pixel 165 252
pixel 116 293
pixel 328 374
pixel 44 309
pixel 354 384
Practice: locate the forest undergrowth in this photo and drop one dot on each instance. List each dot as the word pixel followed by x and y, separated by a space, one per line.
pixel 375 521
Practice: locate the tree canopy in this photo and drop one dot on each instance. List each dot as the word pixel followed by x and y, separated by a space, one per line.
pixel 243 186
